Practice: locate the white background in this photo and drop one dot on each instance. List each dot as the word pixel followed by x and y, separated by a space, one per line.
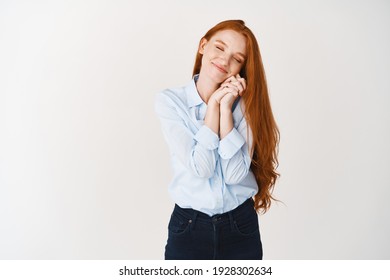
pixel 84 168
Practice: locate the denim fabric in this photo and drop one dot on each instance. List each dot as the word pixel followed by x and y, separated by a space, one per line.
pixel 234 235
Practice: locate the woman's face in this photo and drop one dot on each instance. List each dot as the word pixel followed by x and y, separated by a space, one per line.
pixel 223 55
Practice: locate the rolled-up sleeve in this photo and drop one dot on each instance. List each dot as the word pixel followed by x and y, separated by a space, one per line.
pixel 207 138
pixel 197 152
pixel 234 151
pixel 231 144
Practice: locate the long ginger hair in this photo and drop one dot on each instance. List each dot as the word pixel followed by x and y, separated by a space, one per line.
pixel 258 113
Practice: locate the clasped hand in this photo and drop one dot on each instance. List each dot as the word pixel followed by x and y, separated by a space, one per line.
pixel 229 90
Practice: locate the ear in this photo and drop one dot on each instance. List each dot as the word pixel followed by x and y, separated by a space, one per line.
pixel 202 45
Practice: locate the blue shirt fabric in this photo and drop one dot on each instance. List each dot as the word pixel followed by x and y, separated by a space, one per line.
pixel 209 174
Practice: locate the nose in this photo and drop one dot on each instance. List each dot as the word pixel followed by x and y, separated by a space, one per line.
pixel 224 60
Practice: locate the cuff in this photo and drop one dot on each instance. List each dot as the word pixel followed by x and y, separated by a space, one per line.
pixel 207 138
pixel 230 144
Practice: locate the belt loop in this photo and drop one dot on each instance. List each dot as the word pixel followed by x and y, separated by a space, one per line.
pixel 231 220
pixel 194 219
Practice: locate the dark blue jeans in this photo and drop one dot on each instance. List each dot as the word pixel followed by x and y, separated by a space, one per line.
pixel 234 235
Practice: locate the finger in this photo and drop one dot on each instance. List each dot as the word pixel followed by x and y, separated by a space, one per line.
pixel 243 83
pixel 228 98
pixel 223 84
pixel 234 91
pixel 238 85
pixel 229 88
pixel 226 81
pixel 220 93
pixel 233 79
pixel 230 79
pixel 241 80
pixel 235 86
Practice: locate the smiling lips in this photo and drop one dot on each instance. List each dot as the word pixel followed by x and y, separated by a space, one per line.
pixel 220 68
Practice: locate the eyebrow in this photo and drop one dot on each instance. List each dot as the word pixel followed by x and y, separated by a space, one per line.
pixel 223 43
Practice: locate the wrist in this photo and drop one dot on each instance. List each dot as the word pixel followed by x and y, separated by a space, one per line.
pixel 212 102
pixel 225 109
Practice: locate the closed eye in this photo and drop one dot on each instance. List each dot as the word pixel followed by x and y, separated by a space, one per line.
pixel 219 48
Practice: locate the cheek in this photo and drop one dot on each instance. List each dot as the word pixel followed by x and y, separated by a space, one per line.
pixel 205 55
pixel 236 69
pixel 210 52
pixel 204 60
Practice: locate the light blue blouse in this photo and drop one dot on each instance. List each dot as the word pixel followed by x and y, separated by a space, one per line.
pixel 209 175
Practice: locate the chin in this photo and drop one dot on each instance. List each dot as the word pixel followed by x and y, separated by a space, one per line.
pixel 218 80
pixel 218 77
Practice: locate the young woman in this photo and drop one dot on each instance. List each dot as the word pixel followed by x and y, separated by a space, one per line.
pixel 223 142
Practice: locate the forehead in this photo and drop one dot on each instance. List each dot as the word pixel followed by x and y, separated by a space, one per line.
pixel 232 39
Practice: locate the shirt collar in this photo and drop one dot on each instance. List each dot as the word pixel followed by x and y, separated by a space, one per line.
pixel 193 97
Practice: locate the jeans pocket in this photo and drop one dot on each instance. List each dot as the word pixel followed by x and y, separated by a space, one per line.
pixel 177 225
pixel 248 226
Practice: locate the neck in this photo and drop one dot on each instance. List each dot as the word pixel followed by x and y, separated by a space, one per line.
pixel 205 87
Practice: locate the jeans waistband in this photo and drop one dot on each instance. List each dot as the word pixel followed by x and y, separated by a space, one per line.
pixel 197 215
